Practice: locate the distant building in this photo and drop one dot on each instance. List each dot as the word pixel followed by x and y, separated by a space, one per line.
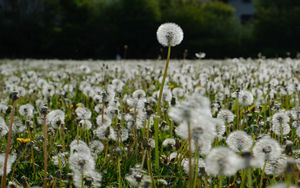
pixel 244 9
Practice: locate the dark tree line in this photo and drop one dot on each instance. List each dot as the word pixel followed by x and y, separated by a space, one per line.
pixel 81 29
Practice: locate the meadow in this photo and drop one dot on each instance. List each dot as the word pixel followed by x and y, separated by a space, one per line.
pixel 227 123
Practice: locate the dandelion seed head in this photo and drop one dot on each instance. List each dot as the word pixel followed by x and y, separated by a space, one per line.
pixel 281 129
pixel 169 34
pixel 239 141
pixel 277 166
pixel 79 146
pixel 81 162
pixel 226 115
pixel 245 98
pixel 267 149
pixel 96 148
pixel 186 166
pixel 222 161
pixel 280 118
pixel 83 113
pixel 26 110
pixel 55 118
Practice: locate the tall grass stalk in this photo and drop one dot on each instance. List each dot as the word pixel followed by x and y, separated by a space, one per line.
pixel 45 150
pixel 12 114
pixel 158 111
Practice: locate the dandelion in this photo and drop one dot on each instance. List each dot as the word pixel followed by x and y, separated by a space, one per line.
pixel 83 113
pixel 26 110
pixel 81 162
pixel 239 141
pixel 103 121
pixel 186 166
pixel 48 90
pixel 96 148
pixel 85 124
pixel 281 129
pixel 137 177
pixel 222 161
pixel 102 132
pixel 245 98
pixel 226 115
pixel 280 118
pixel 79 146
pixel 220 127
pixel 267 149
pixel 280 124
pixel 277 166
pixel 55 118
pixel 169 34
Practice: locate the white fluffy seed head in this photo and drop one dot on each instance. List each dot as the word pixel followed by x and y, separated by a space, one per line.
pixel 245 98
pixel 222 161
pixel 239 141
pixel 169 34
pixel 267 149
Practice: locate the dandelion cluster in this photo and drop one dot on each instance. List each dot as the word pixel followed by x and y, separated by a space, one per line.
pixel 229 123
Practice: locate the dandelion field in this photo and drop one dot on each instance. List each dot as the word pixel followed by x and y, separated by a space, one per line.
pixel 229 123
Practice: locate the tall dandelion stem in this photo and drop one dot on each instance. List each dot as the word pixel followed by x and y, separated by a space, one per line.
pixel 168 35
pixel 158 109
pixel 45 145
pixel 190 156
pixel 12 114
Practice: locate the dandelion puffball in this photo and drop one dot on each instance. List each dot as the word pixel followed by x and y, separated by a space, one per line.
pixel 169 34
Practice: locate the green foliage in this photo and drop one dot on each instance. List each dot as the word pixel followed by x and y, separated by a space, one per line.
pixel 210 27
pixel 277 26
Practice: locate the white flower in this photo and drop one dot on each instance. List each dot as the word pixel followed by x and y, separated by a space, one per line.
pixel 245 98
pixel 239 141
pixel 26 110
pixel 83 113
pixel 267 149
pixel 222 161
pixel 169 34
pixel 55 118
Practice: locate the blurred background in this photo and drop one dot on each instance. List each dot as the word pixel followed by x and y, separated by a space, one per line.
pixel 110 29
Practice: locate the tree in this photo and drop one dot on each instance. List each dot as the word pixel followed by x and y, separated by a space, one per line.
pixel 277 26
pixel 210 27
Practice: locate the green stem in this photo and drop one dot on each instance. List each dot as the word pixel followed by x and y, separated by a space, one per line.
pixel 45 145
pixel 220 181
pixel 243 178
pixel 288 180
pixel 249 178
pixel 190 156
pixel 119 173
pixel 158 111
pixel 262 175
pixel 163 82
pixel 156 131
